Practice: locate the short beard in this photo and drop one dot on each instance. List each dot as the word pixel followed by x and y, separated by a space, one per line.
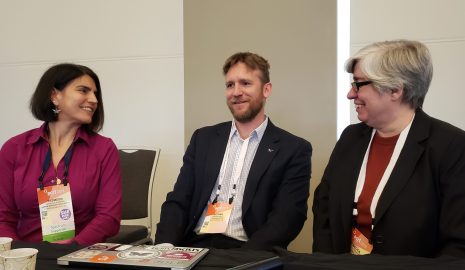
pixel 247 116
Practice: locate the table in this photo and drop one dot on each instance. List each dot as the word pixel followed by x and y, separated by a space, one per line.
pixel 222 259
pixel 216 258
pixel 321 261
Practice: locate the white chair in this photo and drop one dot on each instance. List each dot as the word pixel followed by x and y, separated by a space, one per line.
pixel 138 166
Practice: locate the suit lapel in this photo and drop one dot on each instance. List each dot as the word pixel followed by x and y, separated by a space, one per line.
pixel 406 163
pixel 266 151
pixel 350 173
pixel 213 161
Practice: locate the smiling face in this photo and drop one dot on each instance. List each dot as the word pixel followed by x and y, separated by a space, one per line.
pixel 77 101
pixel 246 93
pixel 375 108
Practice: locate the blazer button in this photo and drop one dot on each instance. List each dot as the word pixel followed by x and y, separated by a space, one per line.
pixel 379 239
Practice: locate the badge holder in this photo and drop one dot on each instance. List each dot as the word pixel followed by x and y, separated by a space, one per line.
pixel 55 205
pixel 360 244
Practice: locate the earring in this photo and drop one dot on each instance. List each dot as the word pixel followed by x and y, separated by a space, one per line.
pixel 55 110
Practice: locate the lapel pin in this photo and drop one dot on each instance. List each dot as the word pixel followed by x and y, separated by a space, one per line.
pixel 270 150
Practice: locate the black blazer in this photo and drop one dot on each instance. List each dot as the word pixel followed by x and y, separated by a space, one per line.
pixel 421 211
pixel 274 206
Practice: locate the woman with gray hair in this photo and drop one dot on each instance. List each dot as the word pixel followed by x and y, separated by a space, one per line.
pixel 395 183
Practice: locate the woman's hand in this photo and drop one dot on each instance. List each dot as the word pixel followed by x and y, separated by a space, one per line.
pixel 67 241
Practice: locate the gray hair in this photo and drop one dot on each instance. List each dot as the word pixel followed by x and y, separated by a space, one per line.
pixel 396 64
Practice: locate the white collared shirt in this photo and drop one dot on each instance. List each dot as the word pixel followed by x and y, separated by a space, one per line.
pixel 230 163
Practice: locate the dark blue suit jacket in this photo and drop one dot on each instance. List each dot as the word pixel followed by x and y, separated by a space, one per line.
pixel 275 197
pixel 421 211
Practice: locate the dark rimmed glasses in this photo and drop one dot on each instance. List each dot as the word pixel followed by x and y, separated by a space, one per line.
pixel 356 85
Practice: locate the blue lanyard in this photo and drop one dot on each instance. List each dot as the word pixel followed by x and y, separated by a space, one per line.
pixel 46 164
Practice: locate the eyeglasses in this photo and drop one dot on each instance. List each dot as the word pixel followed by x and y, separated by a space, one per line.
pixel 356 85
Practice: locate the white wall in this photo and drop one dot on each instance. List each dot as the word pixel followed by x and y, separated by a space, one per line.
pixel 438 24
pixel 136 48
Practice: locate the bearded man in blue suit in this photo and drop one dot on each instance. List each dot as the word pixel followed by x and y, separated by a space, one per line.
pixel 243 183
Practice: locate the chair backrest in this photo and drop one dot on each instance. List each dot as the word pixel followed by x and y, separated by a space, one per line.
pixel 138 166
